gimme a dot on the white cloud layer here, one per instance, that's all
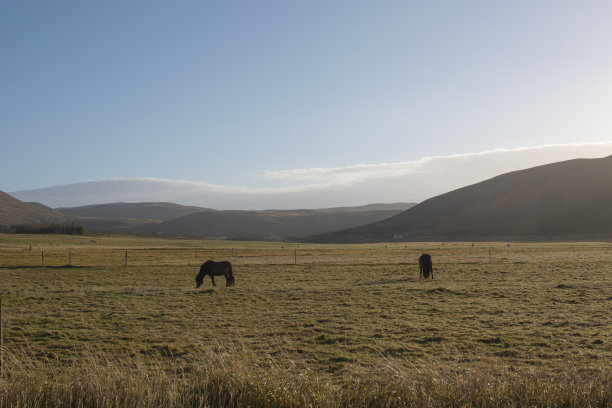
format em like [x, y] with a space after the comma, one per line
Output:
[411, 181]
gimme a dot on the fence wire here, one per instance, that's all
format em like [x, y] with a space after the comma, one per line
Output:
[32, 257]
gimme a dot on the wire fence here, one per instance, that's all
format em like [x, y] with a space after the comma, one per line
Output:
[33, 257]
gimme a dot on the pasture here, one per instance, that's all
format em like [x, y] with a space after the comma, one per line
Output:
[306, 325]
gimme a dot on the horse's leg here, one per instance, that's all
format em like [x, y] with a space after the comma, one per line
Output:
[431, 273]
[212, 278]
[226, 280]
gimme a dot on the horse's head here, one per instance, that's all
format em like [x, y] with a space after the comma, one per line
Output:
[199, 280]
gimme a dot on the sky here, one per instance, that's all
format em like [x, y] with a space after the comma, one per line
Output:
[255, 95]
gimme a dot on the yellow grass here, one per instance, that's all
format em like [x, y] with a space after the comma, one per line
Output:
[306, 325]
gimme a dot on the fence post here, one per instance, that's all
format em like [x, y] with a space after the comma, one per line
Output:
[125, 258]
[69, 258]
[42, 257]
[1, 337]
[295, 257]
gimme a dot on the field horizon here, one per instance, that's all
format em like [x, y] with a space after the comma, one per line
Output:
[502, 324]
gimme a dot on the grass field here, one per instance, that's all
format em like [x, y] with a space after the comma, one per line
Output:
[306, 325]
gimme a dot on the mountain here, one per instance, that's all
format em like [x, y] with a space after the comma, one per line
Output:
[272, 225]
[150, 211]
[318, 187]
[14, 211]
[174, 219]
[147, 190]
[569, 200]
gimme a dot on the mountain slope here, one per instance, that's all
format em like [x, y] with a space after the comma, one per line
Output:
[14, 211]
[272, 224]
[150, 211]
[564, 200]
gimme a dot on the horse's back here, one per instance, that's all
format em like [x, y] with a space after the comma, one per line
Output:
[425, 259]
[207, 266]
[216, 268]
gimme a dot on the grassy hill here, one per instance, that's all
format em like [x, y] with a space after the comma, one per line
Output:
[149, 211]
[272, 224]
[560, 201]
[14, 211]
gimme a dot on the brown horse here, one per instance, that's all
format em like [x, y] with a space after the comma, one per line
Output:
[425, 265]
[213, 269]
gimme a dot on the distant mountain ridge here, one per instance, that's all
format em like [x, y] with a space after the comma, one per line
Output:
[14, 211]
[151, 211]
[561, 201]
[174, 219]
[271, 225]
[569, 200]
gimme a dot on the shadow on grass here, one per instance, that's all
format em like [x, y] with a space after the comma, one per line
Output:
[202, 292]
[386, 282]
[441, 290]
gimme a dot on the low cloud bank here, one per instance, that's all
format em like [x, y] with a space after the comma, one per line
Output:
[411, 181]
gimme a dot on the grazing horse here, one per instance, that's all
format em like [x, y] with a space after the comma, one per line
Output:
[426, 266]
[213, 269]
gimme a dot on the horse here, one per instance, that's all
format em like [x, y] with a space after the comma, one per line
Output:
[426, 267]
[213, 269]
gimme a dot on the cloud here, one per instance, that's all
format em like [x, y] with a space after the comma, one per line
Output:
[505, 160]
[348, 174]
[410, 181]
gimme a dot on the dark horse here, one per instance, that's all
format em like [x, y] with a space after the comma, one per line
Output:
[213, 269]
[426, 266]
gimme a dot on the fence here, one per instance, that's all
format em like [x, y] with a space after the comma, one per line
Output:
[32, 257]
[120, 257]
[1, 340]
[95, 257]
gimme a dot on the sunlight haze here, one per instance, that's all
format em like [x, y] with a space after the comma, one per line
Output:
[271, 97]
[320, 187]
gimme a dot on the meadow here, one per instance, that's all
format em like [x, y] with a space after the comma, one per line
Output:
[502, 324]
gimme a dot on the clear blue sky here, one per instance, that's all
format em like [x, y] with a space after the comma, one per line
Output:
[223, 91]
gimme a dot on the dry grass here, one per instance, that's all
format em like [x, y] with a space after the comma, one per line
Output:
[236, 378]
[346, 326]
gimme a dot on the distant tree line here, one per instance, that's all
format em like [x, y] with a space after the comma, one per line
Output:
[43, 229]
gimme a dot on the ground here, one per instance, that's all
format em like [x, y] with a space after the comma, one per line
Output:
[339, 310]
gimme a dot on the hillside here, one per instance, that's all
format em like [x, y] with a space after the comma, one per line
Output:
[560, 201]
[272, 224]
[14, 211]
[149, 211]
